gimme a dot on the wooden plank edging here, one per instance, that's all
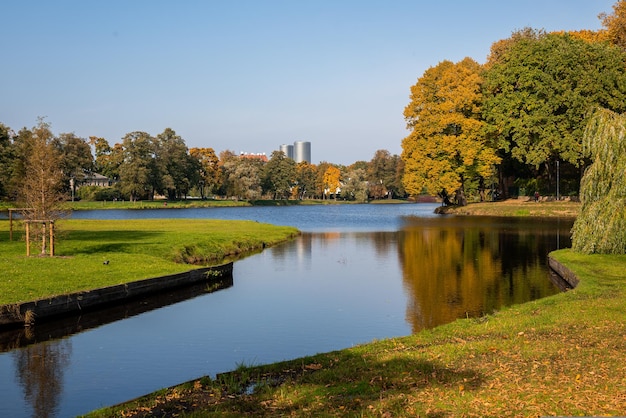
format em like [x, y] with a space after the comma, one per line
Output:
[26, 313]
[563, 272]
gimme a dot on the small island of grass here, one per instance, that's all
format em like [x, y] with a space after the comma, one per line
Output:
[90, 254]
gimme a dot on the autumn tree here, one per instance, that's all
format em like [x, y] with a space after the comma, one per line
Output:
[279, 175]
[210, 173]
[601, 225]
[539, 91]
[331, 180]
[42, 185]
[615, 24]
[446, 147]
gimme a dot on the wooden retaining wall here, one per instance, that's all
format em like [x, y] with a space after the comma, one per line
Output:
[26, 313]
[563, 272]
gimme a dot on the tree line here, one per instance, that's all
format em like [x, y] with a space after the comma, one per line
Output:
[35, 161]
[514, 124]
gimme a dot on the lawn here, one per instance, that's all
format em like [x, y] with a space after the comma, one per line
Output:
[517, 207]
[96, 253]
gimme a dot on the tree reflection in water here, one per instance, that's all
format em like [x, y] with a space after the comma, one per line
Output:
[458, 267]
[40, 369]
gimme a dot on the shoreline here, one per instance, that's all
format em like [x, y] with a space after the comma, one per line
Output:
[26, 314]
[515, 208]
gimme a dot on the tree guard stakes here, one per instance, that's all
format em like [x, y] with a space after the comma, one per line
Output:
[45, 224]
[11, 210]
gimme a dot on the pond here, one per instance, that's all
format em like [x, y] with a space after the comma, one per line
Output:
[357, 273]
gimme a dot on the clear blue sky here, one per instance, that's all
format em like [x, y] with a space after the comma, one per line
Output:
[248, 75]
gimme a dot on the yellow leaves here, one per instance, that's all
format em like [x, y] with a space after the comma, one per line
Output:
[332, 176]
[446, 144]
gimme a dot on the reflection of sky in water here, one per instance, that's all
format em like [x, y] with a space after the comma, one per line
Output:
[320, 292]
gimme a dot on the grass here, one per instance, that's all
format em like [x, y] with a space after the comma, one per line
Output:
[562, 355]
[134, 249]
[517, 207]
[196, 203]
[155, 204]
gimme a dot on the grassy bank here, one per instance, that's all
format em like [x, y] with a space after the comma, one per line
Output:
[517, 207]
[97, 253]
[562, 355]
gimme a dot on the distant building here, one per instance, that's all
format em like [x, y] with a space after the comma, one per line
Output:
[299, 151]
[287, 150]
[302, 151]
[253, 156]
[94, 179]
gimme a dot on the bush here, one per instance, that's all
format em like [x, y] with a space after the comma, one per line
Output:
[96, 193]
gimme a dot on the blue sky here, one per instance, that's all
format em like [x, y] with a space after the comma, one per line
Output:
[249, 75]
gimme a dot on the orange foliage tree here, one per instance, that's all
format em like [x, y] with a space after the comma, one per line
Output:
[445, 148]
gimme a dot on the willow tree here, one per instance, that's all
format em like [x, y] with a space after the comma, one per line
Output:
[446, 148]
[601, 225]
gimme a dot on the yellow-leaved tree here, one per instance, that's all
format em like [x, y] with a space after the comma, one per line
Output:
[446, 147]
[332, 183]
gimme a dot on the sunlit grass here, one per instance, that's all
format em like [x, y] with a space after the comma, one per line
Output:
[96, 253]
[518, 207]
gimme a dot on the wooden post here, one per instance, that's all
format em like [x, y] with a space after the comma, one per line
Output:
[27, 239]
[10, 225]
[43, 238]
[51, 238]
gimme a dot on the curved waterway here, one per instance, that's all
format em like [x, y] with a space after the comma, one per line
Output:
[357, 273]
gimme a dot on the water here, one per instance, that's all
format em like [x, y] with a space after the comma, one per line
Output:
[358, 273]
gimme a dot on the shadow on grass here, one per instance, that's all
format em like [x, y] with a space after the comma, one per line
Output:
[93, 242]
[331, 384]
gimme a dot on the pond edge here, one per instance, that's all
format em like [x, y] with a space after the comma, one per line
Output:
[563, 273]
[25, 314]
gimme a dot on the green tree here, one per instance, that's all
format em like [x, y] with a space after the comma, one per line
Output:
[446, 146]
[601, 225]
[108, 160]
[381, 174]
[355, 186]
[306, 174]
[242, 176]
[539, 91]
[137, 168]
[210, 173]
[6, 158]
[76, 159]
[279, 175]
[176, 169]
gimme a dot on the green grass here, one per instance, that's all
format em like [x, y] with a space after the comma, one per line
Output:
[154, 204]
[517, 207]
[562, 355]
[134, 249]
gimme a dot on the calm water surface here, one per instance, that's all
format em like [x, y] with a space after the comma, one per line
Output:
[358, 273]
